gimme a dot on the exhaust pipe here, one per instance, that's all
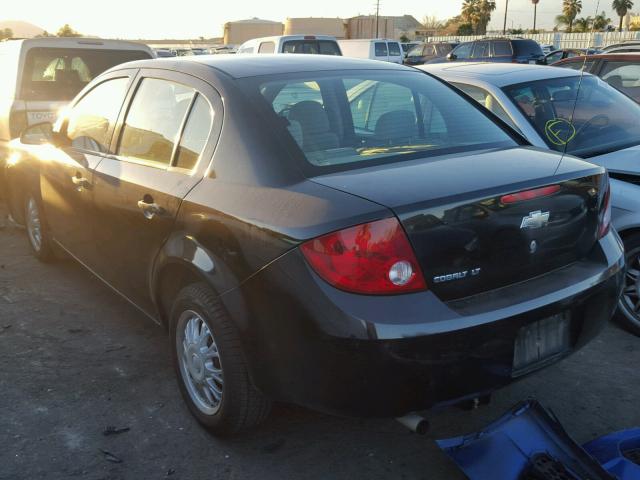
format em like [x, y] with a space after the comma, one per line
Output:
[414, 422]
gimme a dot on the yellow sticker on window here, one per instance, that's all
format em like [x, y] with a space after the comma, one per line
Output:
[559, 131]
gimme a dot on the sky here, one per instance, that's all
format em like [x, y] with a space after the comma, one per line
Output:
[195, 18]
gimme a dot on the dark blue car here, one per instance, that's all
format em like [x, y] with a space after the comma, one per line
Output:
[505, 50]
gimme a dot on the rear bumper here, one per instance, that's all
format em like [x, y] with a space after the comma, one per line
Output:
[312, 345]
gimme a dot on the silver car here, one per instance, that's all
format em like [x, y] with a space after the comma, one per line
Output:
[554, 108]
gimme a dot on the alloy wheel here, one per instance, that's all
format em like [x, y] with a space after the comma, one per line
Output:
[199, 361]
[630, 300]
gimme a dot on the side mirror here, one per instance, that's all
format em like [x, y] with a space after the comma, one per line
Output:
[37, 134]
[452, 56]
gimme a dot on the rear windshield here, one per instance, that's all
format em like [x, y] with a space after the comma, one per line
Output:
[58, 74]
[585, 116]
[315, 47]
[527, 48]
[373, 117]
[394, 49]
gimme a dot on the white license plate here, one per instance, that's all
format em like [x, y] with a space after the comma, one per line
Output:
[541, 342]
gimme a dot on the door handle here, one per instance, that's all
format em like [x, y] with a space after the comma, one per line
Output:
[149, 208]
[80, 182]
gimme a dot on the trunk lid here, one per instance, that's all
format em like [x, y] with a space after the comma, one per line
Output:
[467, 236]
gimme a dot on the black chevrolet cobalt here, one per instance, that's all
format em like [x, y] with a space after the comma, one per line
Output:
[351, 236]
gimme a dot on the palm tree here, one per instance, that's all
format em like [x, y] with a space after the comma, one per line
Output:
[570, 10]
[485, 7]
[622, 7]
[478, 14]
[601, 21]
[582, 24]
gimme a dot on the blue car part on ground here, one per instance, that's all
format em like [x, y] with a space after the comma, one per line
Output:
[529, 443]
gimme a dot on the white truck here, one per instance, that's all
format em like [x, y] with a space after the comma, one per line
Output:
[310, 44]
[373, 49]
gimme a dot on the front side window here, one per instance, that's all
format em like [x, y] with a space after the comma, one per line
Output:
[91, 120]
[480, 50]
[554, 57]
[267, 47]
[394, 49]
[356, 119]
[153, 121]
[585, 116]
[381, 49]
[195, 135]
[463, 52]
[58, 74]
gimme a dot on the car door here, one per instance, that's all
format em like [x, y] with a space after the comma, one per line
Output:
[67, 173]
[159, 143]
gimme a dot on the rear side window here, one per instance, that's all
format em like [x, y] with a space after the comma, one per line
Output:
[480, 50]
[195, 135]
[502, 49]
[394, 49]
[91, 120]
[154, 120]
[58, 74]
[527, 48]
[381, 49]
[267, 47]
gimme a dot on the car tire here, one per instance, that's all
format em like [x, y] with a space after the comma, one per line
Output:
[38, 234]
[210, 365]
[629, 305]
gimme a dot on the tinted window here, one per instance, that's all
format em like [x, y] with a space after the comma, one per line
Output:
[577, 65]
[527, 48]
[58, 74]
[502, 49]
[621, 73]
[480, 50]
[314, 47]
[418, 51]
[195, 134]
[442, 50]
[91, 120]
[381, 49]
[267, 47]
[554, 57]
[487, 100]
[394, 49]
[462, 52]
[584, 116]
[154, 119]
[392, 116]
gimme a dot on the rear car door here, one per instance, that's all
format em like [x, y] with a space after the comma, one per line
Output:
[163, 146]
[67, 173]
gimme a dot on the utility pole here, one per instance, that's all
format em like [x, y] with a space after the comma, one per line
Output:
[535, 13]
[377, 15]
[504, 26]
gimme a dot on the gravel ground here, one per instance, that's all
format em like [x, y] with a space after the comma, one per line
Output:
[76, 359]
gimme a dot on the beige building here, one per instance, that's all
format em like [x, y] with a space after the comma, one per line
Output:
[364, 26]
[236, 33]
[335, 27]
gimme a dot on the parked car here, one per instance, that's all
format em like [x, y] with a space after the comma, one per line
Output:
[630, 46]
[620, 70]
[182, 52]
[360, 238]
[408, 46]
[309, 44]
[427, 52]
[558, 55]
[603, 127]
[504, 50]
[41, 75]
[379, 49]
[547, 48]
[164, 52]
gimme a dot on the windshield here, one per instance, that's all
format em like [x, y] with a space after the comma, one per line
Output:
[369, 116]
[604, 119]
[58, 74]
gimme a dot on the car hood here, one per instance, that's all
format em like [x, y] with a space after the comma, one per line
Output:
[626, 161]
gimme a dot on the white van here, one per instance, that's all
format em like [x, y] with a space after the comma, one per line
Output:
[378, 49]
[41, 75]
[313, 44]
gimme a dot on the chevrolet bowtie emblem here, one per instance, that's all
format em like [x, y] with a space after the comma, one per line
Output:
[536, 219]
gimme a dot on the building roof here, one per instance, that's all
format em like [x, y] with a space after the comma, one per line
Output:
[255, 20]
[403, 22]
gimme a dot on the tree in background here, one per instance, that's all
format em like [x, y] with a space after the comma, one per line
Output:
[430, 22]
[601, 22]
[622, 7]
[570, 10]
[67, 31]
[582, 25]
[6, 33]
[477, 13]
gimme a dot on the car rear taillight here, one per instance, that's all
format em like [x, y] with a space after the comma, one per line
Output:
[373, 258]
[530, 194]
[605, 212]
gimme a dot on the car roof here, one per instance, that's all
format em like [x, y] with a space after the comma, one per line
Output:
[498, 74]
[604, 56]
[253, 65]
[78, 42]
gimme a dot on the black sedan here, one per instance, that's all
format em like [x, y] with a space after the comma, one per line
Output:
[352, 236]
